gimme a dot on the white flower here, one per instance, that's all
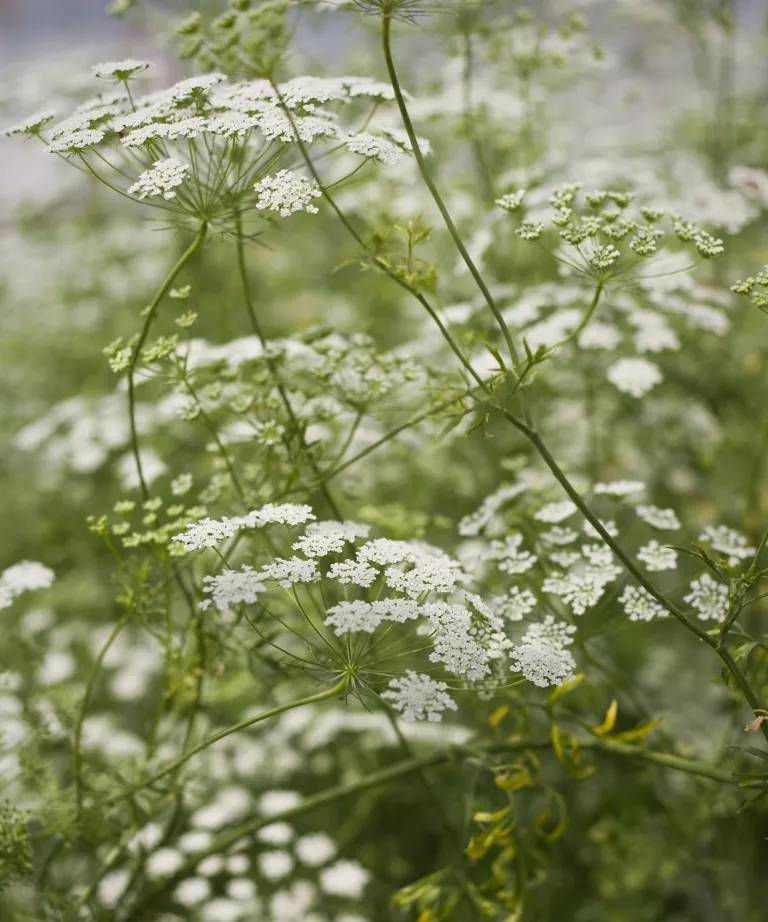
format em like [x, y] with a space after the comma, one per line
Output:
[77, 140]
[418, 697]
[663, 519]
[24, 576]
[604, 256]
[709, 598]
[516, 604]
[432, 571]
[207, 533]
[275, 865]
[277, 800]
[353, 616]
[163, 862]
[559, 535]
[163, 179]
[511, 201]
[656, 557]
[555, 512]
[315, 849]
[119, 70]
[279, 514]
[375, 148]
[620, 487]
[455, 644]
[542, 656]
[210, 532]
[512, 559]
[112, 886]
[323, 538]
[275, 834]
[192, 891]
[31, 124]
[287, 192]
[609, 525]
[578, 591]
[729, 542]
[344, 878]
[231, 587]
[474, 523]
[287, 572]
[352, 571]
[634, 376]
[221, 909]
[640, 605]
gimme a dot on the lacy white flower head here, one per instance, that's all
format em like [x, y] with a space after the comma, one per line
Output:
[24, 576]
[634, 376]
[120, 71]
[163, 179]
[418, 697]
[542, 656]
[477, 521]
[374, 148]
[656, 557]
[32, 124]
[640, 605]
[619, 488]
[286, 193]
[728, 542]
[602, 234]
[341, 594]
[709, 598]
[206, 123]
[207, 532]
[663, 519]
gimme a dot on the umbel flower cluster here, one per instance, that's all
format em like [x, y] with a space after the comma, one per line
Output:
[382, 605]
[202, 146]
[602, 233]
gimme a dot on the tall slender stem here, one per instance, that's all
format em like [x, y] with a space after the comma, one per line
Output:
[435, 192]
[274, 372]
[77, 755]
[629, 565]
[150, 314]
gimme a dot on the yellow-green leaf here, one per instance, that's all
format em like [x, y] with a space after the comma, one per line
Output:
[609, 721]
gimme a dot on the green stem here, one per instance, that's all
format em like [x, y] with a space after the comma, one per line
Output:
[273, 370]
[418, 764]
[725, 657]
[150, 314]
[77, 755]
[234, 728]
[435, 192]
[377, 261]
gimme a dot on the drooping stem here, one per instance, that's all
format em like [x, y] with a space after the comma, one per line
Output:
[235, 728]
[149, 315]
